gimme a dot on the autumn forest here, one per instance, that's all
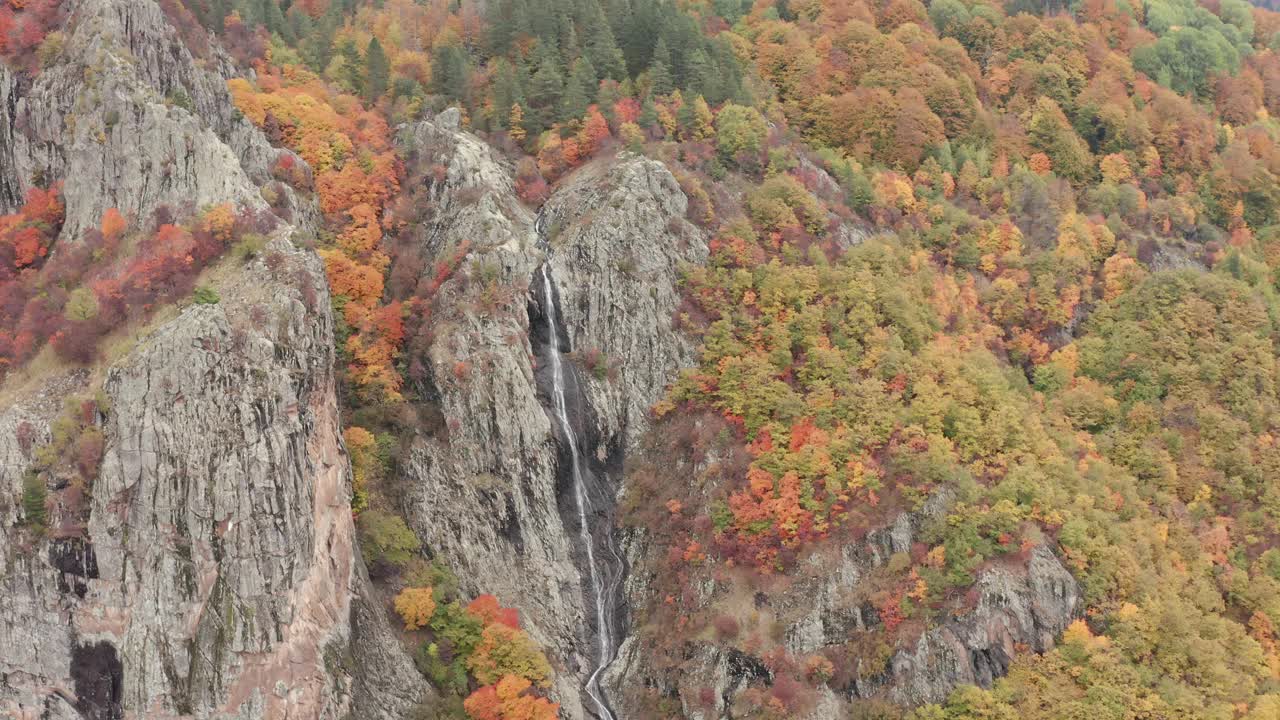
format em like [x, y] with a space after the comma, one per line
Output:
[1023, 255]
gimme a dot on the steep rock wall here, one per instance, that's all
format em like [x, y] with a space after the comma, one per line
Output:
[128, 118]
[1017, 605]
[225, 577]
[483, 490]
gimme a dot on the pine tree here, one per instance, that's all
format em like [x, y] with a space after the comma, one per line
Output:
[377, 71]
[449, 72]
[34, 495]
[545, 90]
[567, 40]
[507, 91]
[272, 18]
[600, 46]
[648, 114]
[317, 44]
[685, 120]
[352, 74]
[636, 33]
[578, 90]
[606, 96]
[508, 19]
[700, 73]
[660, 80]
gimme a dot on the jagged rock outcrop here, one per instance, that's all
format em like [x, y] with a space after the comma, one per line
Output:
[483, 491]
[129, 118]
[1018, 605]
[217, 574]
[619, 240]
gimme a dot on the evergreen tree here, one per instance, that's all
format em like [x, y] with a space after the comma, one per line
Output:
[377, 71]
[648, 114]
[567, 40]
[638, 29]
[544, 20]
[507, 91]
[34, 496]
[545, 90]
[578, 90]
[606, 96]
[449, 72]
[685, 120]
[660, 80]
[352, 72]
[508, 20]
[600, 46]
[272, 18]
[700, 73]
[317, 45]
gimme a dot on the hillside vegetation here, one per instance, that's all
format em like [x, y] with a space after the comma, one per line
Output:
[1026, 254]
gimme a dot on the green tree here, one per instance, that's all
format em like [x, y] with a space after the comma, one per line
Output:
[377, 71]
[449, 70]
[507, 91]
[34, 496]
[599, 44]
[739, 130]
[660, 80]
[1051, 134]
[387, 542]
[578, 90]
[545, 90]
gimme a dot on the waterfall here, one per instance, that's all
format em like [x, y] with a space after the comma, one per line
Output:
[603, 578]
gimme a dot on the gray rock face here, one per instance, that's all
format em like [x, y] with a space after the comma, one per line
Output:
[217, 576]
[225, 569]
[1017, 605]
[481, 493]
[484, 493]
[619, 241]
[129, 120]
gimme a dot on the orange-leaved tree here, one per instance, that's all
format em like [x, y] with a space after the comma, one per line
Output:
[509, 699]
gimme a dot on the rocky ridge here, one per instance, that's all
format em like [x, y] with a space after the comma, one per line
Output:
[217, 573]
[129, 114]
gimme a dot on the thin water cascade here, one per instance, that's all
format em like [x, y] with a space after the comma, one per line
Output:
[603, 563]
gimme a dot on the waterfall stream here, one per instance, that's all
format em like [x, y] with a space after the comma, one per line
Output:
[603, 563]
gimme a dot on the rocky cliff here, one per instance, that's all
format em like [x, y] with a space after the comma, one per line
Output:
[128, 114]
[217, 574]
[823, 608]
[211, 570]
[487, 491]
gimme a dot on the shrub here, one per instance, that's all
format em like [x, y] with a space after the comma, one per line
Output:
[250, 246]
[205, 296]
[442, 668]
[180, 98]
[34, 497]
[388, 543]
[726, 627]
[415, 606]
[433, 574]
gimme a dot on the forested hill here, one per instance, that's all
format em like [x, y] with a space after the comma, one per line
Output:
[931, 351]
